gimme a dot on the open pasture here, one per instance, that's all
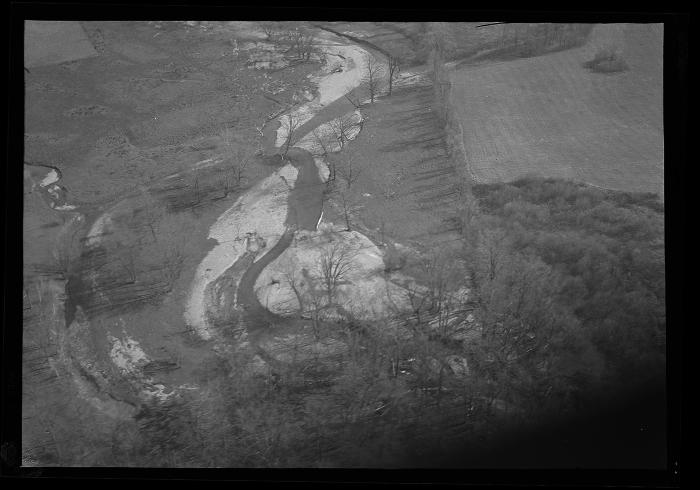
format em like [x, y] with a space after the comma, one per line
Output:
[550, 116]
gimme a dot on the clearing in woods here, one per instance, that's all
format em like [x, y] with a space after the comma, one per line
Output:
[549, 115]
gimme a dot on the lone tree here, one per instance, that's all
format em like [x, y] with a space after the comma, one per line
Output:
[65, 251]
[314, 301]
[343, 127]
[292, 275]
[372, 79]
[348, 206]
[335, 264]
[238, 154]
[348, 168]
[271, 30]
[196, 189]
[324, 142]
[354, 97]
[394, 71]
[151, 212]
[228, 181]
[292, 123]
[299, 38]
[301, 41]
[324, 148]
[172, 249]
[128, 258]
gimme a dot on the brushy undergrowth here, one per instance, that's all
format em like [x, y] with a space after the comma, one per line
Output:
[607, 60]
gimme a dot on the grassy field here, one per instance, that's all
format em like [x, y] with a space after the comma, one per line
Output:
[147, 106]
[549, 115]
[52, 42]
[406, 185]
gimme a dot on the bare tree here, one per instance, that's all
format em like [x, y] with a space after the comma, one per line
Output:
[468, 210]
[349, 170]
[292, 276]
[314, 301]
[342, 127]
[260, 129]
[307, 43]
[173, 259]
[128, 258]
[228, 181]
[418, 301]
[172, 249]
[348, 206]
[151, 213]
[65, 251]
[272, 30]
[441, 276]
[300, 40]
[325, 147]
[228, 141]
[195, 188]
[292, 123]
[491, 252]
[331, 161]
[324, 142]
[394, 71]
[373, 77]
[240, 168]
[354, 98]
[238, 153]
[127, 251]
[334, 265]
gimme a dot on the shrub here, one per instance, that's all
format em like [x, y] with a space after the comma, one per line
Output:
[607, 60]
[394, 260]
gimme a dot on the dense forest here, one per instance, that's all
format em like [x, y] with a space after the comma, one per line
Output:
[596, 256]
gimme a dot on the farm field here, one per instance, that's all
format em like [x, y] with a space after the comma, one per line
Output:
[550, 116]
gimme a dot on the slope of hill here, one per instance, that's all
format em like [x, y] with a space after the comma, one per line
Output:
[550, 116]
[51, 42]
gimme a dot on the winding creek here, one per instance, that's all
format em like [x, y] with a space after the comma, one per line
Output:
[259, 226]
[303, 197]
[305, 204]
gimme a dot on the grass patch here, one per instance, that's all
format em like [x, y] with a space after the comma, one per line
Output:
[405, 187]
[548, 116]
[607, 60]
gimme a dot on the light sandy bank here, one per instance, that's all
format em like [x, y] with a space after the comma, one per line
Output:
[364, 291]
[332, 84]
[260, 211]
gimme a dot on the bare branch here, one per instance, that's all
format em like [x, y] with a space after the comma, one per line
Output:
[335, 264]
[372, 79]
[322, 141]
[238, 154]
[348, 206]
[394, 71]
[342, 127]
[354, 99]
[292, 123]
[349, 170]
[300, 40]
